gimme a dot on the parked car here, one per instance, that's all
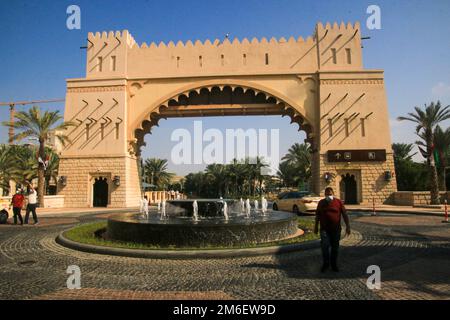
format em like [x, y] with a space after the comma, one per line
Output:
[297, 202]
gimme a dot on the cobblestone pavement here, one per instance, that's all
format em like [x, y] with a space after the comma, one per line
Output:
[412, 251]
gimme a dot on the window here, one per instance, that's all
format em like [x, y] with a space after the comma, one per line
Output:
[330, 127]
[333, 55]
[348, 53]
[102, 131]
[282, 195]
[113, 63]
[87, 132]
[244, 58]
[363, 127]
[222, 59]
[99, 64]
[200, 61]
[178, 62]
[267, 58]
[117, 131]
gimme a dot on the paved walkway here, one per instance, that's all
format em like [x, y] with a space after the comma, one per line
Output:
[412, 251]
[421, 210]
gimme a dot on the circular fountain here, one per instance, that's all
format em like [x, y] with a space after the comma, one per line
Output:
[204, 223]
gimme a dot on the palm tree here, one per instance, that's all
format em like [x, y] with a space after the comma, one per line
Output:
[255, 176]
[51, 172]
[37, 125]
[299, 157]
[24, 169]
[426, 121]
[6, 163]
[402, 151]
[155, 172]
[218, 177]
[286, 174]
[442, 146]
[410, 175]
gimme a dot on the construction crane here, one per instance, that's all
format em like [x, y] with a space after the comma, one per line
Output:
[12, 110]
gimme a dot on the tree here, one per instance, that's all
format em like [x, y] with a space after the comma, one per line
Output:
[217, 176]
[38, 125]
[426, 121]
[155, 172]
[24, 168]
[51, 172]
[442, 147]
[6, 163]
[286, 173]
[299, 158]
[402, 151]
[411, 176]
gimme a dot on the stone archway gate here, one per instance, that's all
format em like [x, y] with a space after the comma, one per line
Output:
[319, 82]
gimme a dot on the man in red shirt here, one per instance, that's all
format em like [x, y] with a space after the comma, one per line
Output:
[328, 214]
[17, 203]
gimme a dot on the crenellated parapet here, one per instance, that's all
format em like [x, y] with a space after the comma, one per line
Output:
[331, 47]
[107, 53]
[338, 46]
[207, 44]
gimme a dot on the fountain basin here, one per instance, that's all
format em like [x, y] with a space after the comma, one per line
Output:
[181, 231]
[206, 207]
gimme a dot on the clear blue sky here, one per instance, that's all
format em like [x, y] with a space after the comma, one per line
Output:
[38, 52]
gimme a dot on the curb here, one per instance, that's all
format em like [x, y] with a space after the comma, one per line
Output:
[419, 213]
[100, 211]
[185, 254]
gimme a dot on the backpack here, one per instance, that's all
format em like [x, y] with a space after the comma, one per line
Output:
[4, 216]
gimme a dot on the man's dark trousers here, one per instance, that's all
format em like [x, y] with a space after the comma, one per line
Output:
[32, 208]
[17, 213]
[330, 239]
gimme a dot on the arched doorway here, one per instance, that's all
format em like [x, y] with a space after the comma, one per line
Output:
[100, 190]
[349, 188]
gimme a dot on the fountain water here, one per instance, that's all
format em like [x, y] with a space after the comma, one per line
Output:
[263, 205]
[202, 223]
[163, 210]
[195, 210]
[225, 211]
[256, 205]
[247, 207]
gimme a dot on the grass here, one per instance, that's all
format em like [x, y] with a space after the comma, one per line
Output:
[90, 234]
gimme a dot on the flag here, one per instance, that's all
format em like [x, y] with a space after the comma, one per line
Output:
[437, 159]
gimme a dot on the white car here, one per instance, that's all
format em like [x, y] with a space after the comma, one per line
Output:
[297, 202]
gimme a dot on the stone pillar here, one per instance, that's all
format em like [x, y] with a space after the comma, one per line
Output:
[82, 171]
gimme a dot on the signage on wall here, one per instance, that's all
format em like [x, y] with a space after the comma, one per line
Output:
[356, 155]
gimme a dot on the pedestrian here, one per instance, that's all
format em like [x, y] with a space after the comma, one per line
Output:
[328, 215]
[17, 204]
[31, 206]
